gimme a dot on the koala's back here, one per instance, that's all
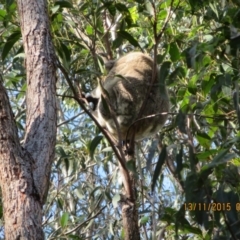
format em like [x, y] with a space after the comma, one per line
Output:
[127, 85]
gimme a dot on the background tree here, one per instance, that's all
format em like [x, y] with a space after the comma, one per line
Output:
[196, 177]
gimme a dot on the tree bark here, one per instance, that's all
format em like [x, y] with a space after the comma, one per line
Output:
[25, 170]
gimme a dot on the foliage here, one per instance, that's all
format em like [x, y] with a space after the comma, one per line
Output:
[197, 192]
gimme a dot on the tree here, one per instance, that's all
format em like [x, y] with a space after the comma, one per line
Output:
[187, 177]
[25, 168]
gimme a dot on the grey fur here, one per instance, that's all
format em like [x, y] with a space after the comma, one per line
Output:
[127, 85]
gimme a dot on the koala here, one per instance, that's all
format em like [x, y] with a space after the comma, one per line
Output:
[127, 85]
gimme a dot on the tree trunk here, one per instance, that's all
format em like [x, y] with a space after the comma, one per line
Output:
[25, 170]
[129, 205]
[130, 220]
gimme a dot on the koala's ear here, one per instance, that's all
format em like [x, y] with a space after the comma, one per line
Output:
[109, 64]
[92, 100]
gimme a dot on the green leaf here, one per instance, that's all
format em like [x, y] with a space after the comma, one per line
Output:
[1, 211]
[105, 105]
[131, 166]
[121, 7]
[221, 158]
[64, 219]
[134, 14]
[110, 7]
[206, 154]
[3, 14]
[162, 76]
[116, 198]
[20, 55]
[192, 86]
[161, 57]
[61, 152]
[94, 143]
[117, 42]
[122, 234]
[207, 84]
[174, 52]
[206, 60]
[163, 72]
[179, 160]
[9, 3]
[66, 163]
[129, 37]
[176, 75]
[67, 53]
[12, 39]
[151, 152]
[89, 29]
[149, 8]
[236, 104]
[161, 159]
[162, 15]
[84, 6]
[204, 139]
[64, 4]
[111, 229]
[55, 9]
[79, 193]
[144, 220]
[181, 122]
[191, 55]
[103, 100]
[60, 203]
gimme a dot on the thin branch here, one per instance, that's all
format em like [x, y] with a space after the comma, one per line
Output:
[106, 36]
[219, 117]
[83, 223]
[118, 151]
[168, 17]
[70, 119]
